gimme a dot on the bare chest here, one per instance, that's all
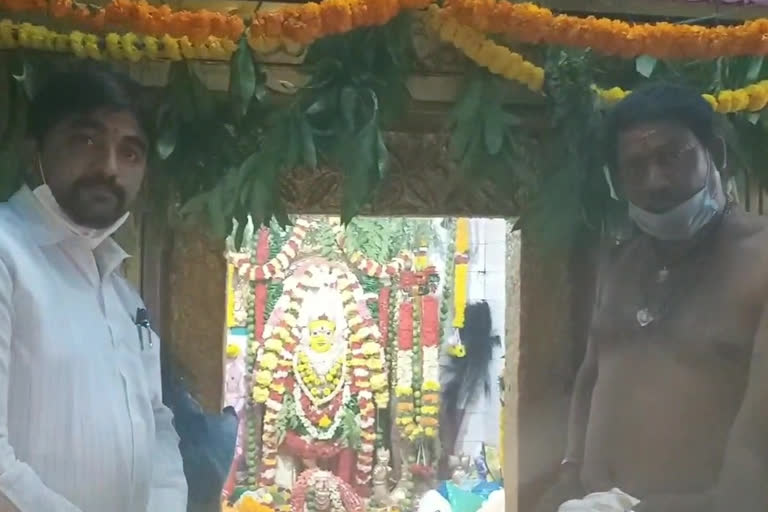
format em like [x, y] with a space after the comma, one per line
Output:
[702, 311]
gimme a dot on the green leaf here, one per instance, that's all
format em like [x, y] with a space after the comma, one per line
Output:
[645, 65]
[308, 143]
[493, 131]
[242, 78]
[5, 99]
[168, 134]
[755, 67]
[240, 232]
[383, 153]
[217, 214]
[468, 104]
[349, 99]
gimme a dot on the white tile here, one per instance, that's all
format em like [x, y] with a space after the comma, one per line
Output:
[495, 259]
[477, 286]
[496, 230]
[477, 257]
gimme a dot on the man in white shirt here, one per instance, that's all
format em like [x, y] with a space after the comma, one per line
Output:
[82, 423]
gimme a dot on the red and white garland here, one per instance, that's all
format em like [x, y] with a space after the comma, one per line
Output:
[280, 263]
[430, 387]
[372, 268]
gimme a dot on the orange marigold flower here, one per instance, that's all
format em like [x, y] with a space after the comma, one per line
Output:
[60, 8]
[336, 16]
[273, 23]
[235, 27]
[199, 26]
[310, 17]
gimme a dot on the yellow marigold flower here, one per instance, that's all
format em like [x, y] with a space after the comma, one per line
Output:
[264, 377]
[382, 399]
[379, 381]
[114, 48]
[92, 48]
[375, 364]
[269, 361]
[429, 409]
[371, 348]
[187, 50]
[430, 432]
[725, 102]
[260, 394]
[403, 391]
[325, 421]
[740, 100]
[274, 344]
[430, 385]
[171, 48]
[77, 45]
[233, 350]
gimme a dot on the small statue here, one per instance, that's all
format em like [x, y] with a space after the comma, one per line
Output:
[381, 479]
[322, 491]
[458, 469]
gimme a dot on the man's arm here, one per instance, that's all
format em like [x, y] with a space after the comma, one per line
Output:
[20, 487]
[743, 484]
[169, 485]
[580, 404]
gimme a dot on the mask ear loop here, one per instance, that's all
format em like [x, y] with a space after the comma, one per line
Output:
[40, 169]
[609, 181]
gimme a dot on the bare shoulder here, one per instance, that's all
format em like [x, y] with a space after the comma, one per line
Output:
[746, 244]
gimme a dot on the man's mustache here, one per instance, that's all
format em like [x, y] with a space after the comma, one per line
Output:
[106, 182]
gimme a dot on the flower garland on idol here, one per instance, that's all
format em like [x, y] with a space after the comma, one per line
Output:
[325, 405]
[278, 265]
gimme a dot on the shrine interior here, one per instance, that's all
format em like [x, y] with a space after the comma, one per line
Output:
[373, 354]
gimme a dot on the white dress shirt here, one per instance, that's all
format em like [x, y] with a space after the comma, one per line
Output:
[82, 424]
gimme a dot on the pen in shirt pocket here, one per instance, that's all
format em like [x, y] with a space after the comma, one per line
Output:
[142, 325]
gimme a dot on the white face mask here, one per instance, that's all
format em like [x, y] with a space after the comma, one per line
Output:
[686, 219]
[92, 236]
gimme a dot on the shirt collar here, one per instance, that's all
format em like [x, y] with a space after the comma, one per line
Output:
[45, 231]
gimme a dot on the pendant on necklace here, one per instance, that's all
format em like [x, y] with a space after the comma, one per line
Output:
[644, 317]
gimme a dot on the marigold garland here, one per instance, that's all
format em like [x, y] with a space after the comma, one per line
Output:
[430, 387]
[461, 271]
[751, 98]
[530, 23]
[504, 62]
[138, 16]
[499, 59]
[305, 23]
[130, 46]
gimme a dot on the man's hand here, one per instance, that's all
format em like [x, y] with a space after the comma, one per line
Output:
[567, 487]
[676, 503]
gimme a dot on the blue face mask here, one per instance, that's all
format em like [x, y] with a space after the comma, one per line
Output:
[686, 219]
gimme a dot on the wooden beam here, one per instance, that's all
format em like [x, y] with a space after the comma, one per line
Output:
[659, 9]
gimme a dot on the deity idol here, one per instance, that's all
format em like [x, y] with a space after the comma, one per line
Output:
[318, 372]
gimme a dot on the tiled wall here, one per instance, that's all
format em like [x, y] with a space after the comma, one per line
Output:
[487, 278]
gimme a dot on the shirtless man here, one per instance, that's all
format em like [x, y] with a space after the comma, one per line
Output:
[671, 402]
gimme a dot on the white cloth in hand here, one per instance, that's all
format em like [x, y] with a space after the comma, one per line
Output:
[614, 500]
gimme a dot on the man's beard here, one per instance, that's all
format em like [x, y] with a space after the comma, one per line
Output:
[89, 213]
